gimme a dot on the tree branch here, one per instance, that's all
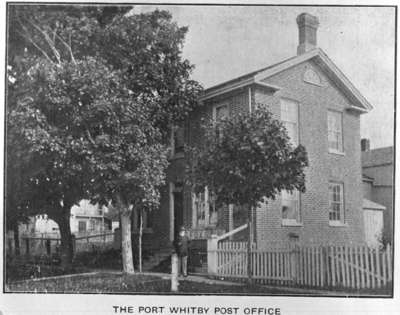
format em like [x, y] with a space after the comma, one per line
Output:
[66, 45]
[48, 40]
[90, 137]
[36, 45]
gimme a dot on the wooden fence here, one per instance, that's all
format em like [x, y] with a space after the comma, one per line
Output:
[356, 267]
[35, 244]
[94, 242]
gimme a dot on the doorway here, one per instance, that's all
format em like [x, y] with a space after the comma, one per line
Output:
[178, 208]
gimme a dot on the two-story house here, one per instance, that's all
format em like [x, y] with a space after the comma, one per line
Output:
[321, 110]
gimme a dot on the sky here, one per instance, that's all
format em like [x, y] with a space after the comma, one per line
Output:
[224, 42]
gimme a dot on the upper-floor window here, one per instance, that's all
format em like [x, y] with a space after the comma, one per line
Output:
[290, 119]
[221, 111]
[179, 140]
[336, 204]
[335, 131]
[290, 207]
[82, 226]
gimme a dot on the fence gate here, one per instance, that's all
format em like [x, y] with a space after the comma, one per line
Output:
[355, 267]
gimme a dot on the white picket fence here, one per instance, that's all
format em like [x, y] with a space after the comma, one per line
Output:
[356, 267]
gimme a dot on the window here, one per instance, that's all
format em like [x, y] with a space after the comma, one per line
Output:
[179, 140]
[290, 119]
[205, 212]
[290, 207]
[336, 208]
[82, 226]
[335, 133]
[221, 112]
[147, 219]
[92, 224]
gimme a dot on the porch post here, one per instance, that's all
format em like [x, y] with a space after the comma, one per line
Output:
[194, 210]
[212, 255]
[171, 211]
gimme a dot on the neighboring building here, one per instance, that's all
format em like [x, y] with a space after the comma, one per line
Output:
[89, 218]
[321, 110]
[85, 219]
[377, 169]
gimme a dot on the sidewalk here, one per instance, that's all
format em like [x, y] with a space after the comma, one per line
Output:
[294, 291]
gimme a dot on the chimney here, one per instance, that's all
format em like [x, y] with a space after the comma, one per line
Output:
[364, 145]
[308, 25]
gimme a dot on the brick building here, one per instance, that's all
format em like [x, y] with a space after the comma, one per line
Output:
[321, 110]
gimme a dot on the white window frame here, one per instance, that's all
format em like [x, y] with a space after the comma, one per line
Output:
[341, 220]
[219, 105]
[83, 222]
[172, 142]
[210, 217]
[286, 120]
[294, 198]
[214, 115]
[339, 133]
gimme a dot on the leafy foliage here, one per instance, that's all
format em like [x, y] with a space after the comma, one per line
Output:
[247, 158]
[93, 93]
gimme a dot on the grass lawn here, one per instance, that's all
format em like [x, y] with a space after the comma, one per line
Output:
[116, 283]
[138, 283]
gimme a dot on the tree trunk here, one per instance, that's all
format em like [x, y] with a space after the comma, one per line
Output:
[67, 251]
[127, 257]
[16, 239]
[140, 238]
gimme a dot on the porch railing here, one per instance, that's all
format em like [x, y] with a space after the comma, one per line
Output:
[204, 233]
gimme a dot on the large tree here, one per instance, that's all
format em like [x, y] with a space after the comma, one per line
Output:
[95, 95]
[245, 160]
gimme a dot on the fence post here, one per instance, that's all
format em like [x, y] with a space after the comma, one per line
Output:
[389, 261]
[48, 247]
[293, 263]
[174, 272]
[325, 267]
[212, 255]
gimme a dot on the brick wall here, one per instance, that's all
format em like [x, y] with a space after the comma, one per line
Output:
[314, 102]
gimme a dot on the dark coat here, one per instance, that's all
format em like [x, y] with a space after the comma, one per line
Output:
[182, 245]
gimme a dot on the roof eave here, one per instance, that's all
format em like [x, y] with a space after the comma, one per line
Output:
[235, 86]
[336, 75]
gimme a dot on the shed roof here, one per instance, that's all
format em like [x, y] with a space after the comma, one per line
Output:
[370, 205]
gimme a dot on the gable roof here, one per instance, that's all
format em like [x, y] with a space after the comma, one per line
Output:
[320, 58]
[377, 157]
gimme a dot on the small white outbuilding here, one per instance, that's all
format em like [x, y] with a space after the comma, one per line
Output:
[373, 221]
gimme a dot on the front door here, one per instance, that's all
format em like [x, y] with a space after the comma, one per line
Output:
[178, 209]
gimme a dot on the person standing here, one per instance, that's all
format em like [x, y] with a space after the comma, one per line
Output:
[182, 249]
